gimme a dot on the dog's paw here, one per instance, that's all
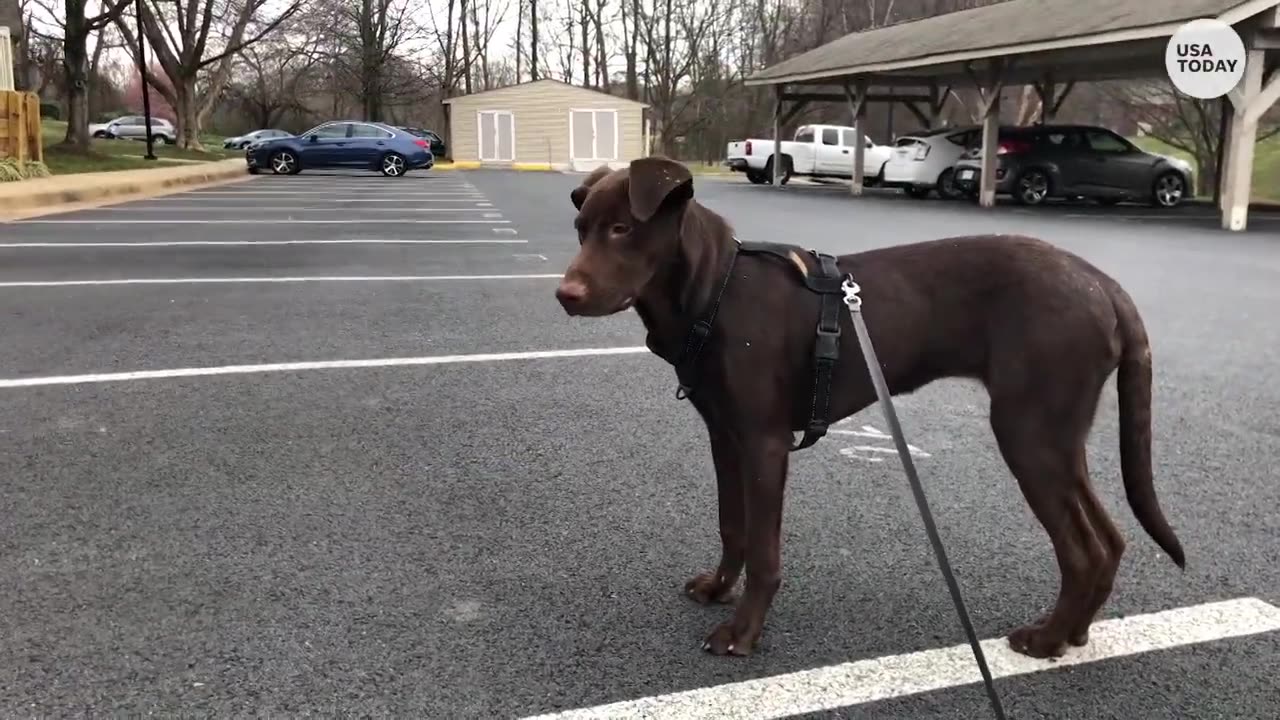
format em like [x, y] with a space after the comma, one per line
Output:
[1038, 641]
[730, 639]
[708, 588]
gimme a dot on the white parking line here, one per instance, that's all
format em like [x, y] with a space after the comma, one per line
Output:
[261, 221]
[327, 193]
[233, 204]
[215, 243]
[884, 678]
[300, 279]
[317, 365]
[286, 208]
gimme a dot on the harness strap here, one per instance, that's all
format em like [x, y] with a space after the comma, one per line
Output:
[686, 363]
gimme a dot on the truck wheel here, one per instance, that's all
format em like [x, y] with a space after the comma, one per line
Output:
[786, 170]
[757, 177]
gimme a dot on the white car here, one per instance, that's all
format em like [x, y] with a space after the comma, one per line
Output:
[134, 127]
[925, 162]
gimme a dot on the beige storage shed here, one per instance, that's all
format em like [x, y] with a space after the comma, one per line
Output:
[546, 122]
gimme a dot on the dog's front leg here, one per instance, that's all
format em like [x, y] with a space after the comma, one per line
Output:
[717, 586]
[764, 473]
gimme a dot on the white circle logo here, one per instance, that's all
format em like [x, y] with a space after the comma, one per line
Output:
[1205, 58]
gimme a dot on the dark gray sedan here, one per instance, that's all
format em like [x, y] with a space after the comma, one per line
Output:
[1039, 162]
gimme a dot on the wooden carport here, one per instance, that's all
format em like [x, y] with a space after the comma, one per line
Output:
[1050, 44]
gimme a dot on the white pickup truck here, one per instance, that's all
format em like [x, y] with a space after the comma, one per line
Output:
[824, 151]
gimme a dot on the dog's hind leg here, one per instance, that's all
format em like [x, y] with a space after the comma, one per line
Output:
[1043, 448]
[717, 586]
[1111, 538]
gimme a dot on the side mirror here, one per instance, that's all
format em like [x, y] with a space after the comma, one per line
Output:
[312, 138]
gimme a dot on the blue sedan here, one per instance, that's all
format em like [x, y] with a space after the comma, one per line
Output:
[346, 144]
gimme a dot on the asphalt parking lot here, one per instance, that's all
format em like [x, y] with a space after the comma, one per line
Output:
[312, 445]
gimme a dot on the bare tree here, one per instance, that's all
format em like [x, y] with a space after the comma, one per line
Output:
[197, 55]
[272, 76]
[1184, 123]
[78, 25]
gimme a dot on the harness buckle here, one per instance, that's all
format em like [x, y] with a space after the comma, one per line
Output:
[827, 345]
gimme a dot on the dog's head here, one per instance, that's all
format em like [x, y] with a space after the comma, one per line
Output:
[628, 226]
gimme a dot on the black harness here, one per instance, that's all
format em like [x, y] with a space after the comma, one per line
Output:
[826, 347]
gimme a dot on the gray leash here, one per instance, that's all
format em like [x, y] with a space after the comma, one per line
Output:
[854, 302]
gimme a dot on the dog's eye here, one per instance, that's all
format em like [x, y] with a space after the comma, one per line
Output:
[620, 229]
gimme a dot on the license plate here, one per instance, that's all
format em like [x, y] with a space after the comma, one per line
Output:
[965, 174]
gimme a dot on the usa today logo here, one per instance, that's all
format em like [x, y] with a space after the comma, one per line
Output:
[1205, 59]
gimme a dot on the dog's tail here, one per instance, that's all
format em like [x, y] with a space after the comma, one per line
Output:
[1133, 385]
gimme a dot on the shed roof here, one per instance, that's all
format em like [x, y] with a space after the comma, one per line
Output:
[1006, 28]
[550, 81]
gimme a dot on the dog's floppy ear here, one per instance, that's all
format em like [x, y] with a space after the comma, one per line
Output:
[579, 194]
[654, 181]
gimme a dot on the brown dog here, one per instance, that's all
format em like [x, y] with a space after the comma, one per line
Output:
[1041, 328]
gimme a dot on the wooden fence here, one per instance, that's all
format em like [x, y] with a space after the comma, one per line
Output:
[20, 137]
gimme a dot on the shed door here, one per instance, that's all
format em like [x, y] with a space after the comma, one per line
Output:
[497, 139]
[593, 134]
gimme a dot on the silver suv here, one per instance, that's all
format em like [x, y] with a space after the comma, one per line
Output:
[134, 127]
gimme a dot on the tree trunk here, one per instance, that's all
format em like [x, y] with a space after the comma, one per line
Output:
[533, 39]
[75, 63]
[466, 50]
[519, 39]
[187, 108]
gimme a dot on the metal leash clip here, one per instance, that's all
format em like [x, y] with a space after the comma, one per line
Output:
[851, 290]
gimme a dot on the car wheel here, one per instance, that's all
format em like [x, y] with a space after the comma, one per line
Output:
[1169, 189]
[393, 165]
[756, 177]
[786, 170]
[284, 162]
[947, 189]
[1032, 187]
[100, 134]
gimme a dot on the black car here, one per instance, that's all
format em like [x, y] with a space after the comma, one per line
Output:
[437, 144]
[1039, 162]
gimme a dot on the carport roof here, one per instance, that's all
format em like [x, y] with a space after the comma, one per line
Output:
[1006, 28]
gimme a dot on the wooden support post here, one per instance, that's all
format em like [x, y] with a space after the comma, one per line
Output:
[858, 107]
[990, 129]
[1249, 100]
[776, 180]
[1224, 154]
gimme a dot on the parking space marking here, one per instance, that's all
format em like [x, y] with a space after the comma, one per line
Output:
[92, 378]
[329, 193]
[260, 221]
[303, 279]
[343, 199]
[894, 676]
[202, 243]
[871, 453]
[287, 208]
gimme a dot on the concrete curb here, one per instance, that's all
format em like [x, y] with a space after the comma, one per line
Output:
[51, 192]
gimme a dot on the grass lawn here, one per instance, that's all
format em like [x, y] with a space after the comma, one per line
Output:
[1266, 164]
[109, 155]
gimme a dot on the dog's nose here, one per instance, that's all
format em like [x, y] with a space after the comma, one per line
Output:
[571, 293]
